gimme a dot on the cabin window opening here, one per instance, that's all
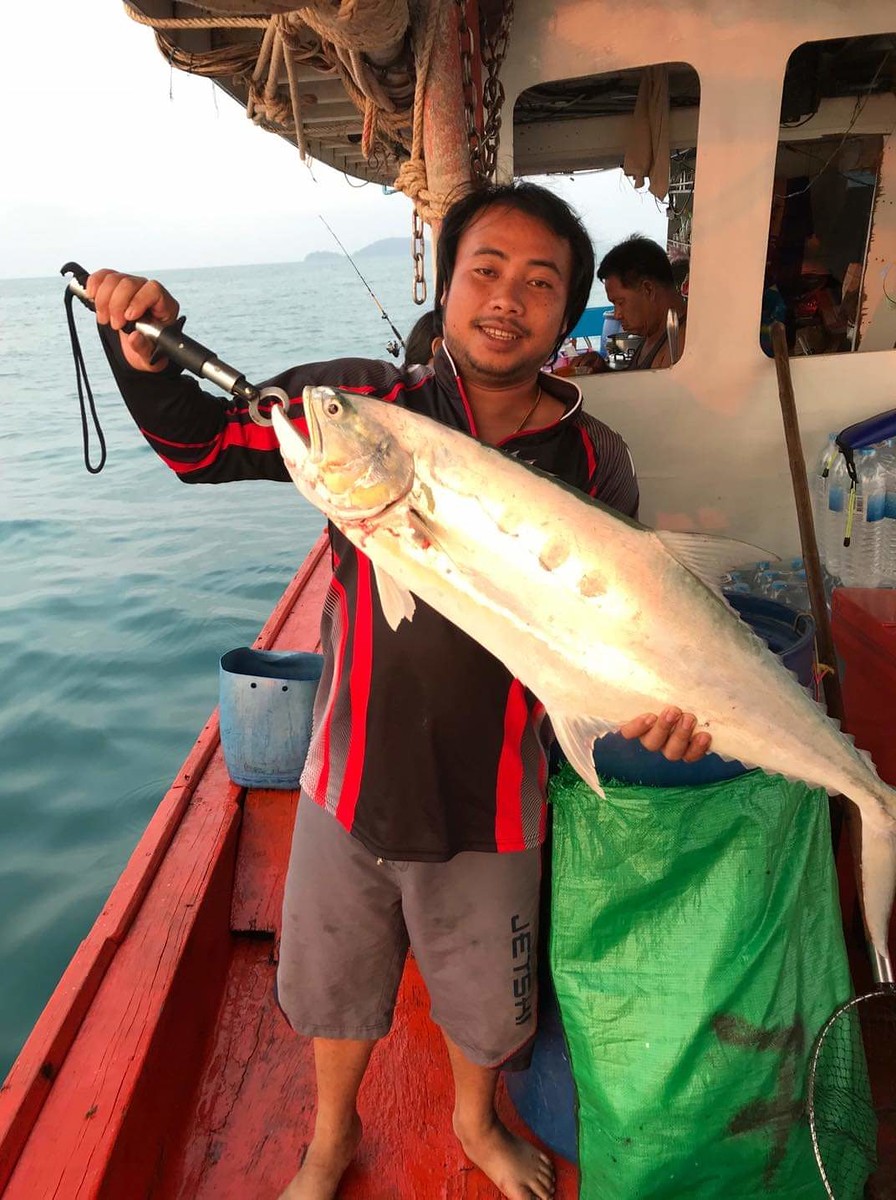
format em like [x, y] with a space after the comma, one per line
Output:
[830, 274]
[620, 147]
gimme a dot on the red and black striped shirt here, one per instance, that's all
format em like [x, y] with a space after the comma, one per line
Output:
[424, 744]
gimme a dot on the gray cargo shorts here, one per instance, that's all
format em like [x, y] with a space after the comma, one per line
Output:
[349, 918]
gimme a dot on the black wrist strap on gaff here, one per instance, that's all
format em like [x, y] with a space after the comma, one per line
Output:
[85, 395]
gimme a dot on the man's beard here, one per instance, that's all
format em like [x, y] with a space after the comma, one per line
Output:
[519, 371]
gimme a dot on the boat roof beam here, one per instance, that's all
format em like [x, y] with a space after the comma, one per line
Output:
[570, 144]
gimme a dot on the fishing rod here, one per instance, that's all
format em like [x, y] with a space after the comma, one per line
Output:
[390, 346]
[170, 342]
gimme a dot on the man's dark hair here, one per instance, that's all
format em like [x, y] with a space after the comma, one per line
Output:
[636, 259]
[418, 343]
[535, 201]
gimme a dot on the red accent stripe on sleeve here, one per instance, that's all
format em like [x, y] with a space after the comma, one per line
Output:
[508, 816]
[391, 395]
[359, 694]
[160, 441]
[249, 436]
[589, 456]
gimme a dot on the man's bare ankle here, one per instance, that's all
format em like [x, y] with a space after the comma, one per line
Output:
[326, 1160]
[336, 1133]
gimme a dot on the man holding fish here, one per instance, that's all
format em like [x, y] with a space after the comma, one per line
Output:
[428, 752]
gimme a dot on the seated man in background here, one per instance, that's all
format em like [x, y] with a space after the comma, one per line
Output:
[640, 284]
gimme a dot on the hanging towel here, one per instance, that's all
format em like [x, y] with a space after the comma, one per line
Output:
[647, 153]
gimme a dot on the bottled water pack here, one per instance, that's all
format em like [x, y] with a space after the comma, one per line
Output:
[782, 581]
[857, 537]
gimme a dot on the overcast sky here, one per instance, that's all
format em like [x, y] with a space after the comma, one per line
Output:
[111, 158]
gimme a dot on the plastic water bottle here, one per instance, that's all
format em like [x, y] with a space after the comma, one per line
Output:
[833, 524]
[777, 590]
[861, 558]
[875, 513]
[820, 482]
[791, 589]
[888, 531]
[799, 592]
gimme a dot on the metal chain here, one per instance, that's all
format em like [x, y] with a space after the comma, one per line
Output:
[417, 253]
[465, 36]
[494, 48]
[483, 146]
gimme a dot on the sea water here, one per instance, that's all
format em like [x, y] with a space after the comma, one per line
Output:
[119, 592]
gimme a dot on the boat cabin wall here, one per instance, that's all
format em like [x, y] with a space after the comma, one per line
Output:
[707, 435]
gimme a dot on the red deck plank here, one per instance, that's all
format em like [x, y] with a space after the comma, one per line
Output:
[268, 818]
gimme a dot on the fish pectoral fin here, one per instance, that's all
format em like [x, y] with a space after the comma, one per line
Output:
[709, 556]
[576, 736]
[396, 602]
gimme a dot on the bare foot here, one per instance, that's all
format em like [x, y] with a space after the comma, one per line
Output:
[324, 1164]
[517, 1169]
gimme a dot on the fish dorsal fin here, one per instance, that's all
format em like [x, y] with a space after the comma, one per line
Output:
[397, 602]
[576, 736]
[710, 556]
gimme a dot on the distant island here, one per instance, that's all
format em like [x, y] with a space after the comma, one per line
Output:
[384, 248]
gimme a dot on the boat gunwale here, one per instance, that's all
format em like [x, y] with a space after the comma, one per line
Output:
[32, 1076]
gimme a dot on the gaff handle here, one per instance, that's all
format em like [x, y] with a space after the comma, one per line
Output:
[171, 342]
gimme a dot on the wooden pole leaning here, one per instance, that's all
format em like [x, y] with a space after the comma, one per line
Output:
[824, 640]
[840, 808]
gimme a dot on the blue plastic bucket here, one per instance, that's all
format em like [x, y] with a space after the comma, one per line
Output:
[788, 633]
[266, 708]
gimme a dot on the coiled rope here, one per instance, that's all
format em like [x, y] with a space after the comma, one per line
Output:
[332, 41]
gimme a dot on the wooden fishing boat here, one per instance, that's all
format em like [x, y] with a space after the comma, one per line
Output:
[162, 1066]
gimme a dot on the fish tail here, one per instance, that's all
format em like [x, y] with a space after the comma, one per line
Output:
[878, 874]
[878, 863]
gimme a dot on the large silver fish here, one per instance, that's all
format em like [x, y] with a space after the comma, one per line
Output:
[602, 618]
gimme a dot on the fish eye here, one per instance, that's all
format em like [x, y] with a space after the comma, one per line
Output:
[333, 408]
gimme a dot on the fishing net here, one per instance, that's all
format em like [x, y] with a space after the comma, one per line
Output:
[852, 1098]
[696, 950]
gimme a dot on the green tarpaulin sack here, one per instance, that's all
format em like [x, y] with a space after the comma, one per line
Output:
[696, 951]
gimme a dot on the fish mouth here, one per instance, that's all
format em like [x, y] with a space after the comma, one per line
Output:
[295, 444]
[351, 481]
[315, 441]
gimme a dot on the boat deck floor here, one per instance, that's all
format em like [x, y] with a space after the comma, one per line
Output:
[253, 1113]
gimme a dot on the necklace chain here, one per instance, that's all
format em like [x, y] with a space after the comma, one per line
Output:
[528, 417]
